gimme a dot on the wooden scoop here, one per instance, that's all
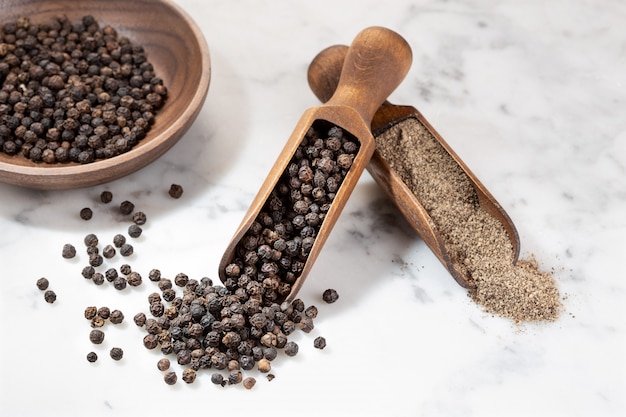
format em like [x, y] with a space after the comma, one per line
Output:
[323, 74]
[375, 64]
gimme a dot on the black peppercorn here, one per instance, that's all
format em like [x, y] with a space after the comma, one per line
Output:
[189, 375]
[88, 272]
[96, 336]
[163, 364]
[42, 283]
[91, 240]
[330, 296]
[134, 279]
[86, 213]
[217, 379]
[92, 357]
[170, 378]
[119, 283]
[175, 191]
[98, 278]
[69, 251]
[116, 317]
[106, 197]
[116, 353]
[125, 269]
[126, 249]
[139, 319]
[119, 240]
[249, 382]
[108, 251]
[104, 312]
[126, 207]
[134, 231]
[50, 296]
[319, 342]
[139, 218]
[291, 348]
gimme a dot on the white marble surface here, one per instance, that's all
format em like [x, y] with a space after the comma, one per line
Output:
[532, 96]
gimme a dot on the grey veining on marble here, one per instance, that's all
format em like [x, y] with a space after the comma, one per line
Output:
[532, 95]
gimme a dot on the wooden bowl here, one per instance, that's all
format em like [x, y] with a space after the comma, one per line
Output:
[180, 56]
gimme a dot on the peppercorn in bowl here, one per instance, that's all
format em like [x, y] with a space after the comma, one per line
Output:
[91, 91]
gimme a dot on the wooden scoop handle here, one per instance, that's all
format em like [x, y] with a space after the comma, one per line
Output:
[376, 62]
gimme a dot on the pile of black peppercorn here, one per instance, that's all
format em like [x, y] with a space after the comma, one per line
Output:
[274, 250]
[204, 326]
[73, 92]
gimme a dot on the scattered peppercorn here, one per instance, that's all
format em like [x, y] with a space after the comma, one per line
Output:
[125, 269]
[139, 218]
[96, 336]
[104, 312]
[176, 191]
[69, 251]
[170, 378]
[134, 279]
[319, 342]
[155, 275]
[140, 319]
[86, 213]
[106, 197]
[92, 357]
[264, 365]
[119, 283]
[249, 382]
[189, 375]
[119, 240]
[126, 207]
[134, 231]
[97, 322]
[163, 364]
[116, 353]
[330, 296]
[91, 240]
[291, 348]
[42, 283]
[116, 317]
[126, 249]
[217, 379]
[108, 251]
[50, 296]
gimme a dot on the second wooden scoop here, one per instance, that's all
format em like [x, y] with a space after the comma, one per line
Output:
[375, 64]
[323, 75]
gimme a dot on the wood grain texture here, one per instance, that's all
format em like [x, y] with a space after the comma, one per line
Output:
[323, 77]
[376, 63]
[180, 56]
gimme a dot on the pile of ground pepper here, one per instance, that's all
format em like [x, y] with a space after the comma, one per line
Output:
[477, 242]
